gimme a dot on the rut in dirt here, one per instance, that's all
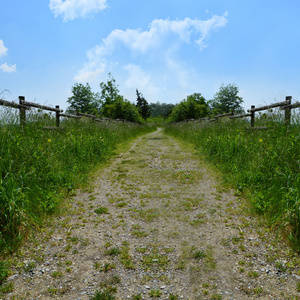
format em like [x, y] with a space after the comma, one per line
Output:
[155, 223]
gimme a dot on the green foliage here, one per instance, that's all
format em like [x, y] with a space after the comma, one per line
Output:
[4, 271]
[142, 105]
[160, 110]
[194, 107]
[227, 100]
[263, 165]
[122, 109]
[37, 168]
[109, 91]
[155, 293]
[103, 295]
[83, 99]
[101, 210]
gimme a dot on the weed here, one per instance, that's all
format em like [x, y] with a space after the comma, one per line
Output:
[237, 239]
[155, 293]
[52, 290]
[6, 288]
[149, 214]
[199, 254]
[209, 260]
[253, 274]
[113, 251]
[136, 226]
[103, 295]
[85, 242]
[280, 266]
[172, 234]
[139, 233]
[29, 266]
[101, 210]
[216, 296]
[73, 239]
[173, 297]
[137, 297]
[68, 247]
[108, 266]
[168, 250]
[126, 259]
[180, 265]
[197, 222]
[4, 271]
[115, 279]
[258, 290]
[154, 260]
[121, 204]
[56, 274]
[141, 250]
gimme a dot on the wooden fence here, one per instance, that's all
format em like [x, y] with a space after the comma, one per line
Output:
[286, 105]
[23, 106]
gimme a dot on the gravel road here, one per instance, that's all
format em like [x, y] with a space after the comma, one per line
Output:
[155, 222]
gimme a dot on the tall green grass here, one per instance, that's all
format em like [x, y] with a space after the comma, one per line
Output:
[38, 166]
[262, 164]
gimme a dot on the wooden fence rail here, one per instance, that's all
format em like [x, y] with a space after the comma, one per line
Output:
[286, 105]
[26, 105]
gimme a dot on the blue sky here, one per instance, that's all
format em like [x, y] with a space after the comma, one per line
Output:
[167, 49]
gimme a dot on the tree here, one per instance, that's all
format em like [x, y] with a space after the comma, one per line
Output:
[109, 91]
[194, 107]
[142, 105]
[160, 109]
[121, 108]
[83, 99]
[227, 100]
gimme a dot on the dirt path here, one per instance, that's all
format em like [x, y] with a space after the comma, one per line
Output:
[155, 223]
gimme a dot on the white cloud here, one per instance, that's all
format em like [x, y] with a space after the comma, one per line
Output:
[5, 67]
[88, 76]
[3, 49]
[8, 69]
[72, 9]
[139, 79]
[163, 36]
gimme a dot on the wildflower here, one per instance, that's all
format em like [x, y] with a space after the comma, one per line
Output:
[260, 140]
[49, 140]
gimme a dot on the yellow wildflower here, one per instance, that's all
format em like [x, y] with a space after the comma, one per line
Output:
[260, 140]
[49, 140]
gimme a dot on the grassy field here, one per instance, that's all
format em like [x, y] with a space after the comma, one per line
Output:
[39, 167]
[264, 165]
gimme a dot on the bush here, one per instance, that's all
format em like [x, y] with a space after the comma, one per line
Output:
[122, 109]
[194, 107]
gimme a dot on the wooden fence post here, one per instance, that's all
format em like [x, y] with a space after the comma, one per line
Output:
[287, 114]
[252, 115]
[57, 113]
[22, 111]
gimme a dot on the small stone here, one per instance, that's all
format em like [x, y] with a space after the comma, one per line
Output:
[147, 287]
[12, 277]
